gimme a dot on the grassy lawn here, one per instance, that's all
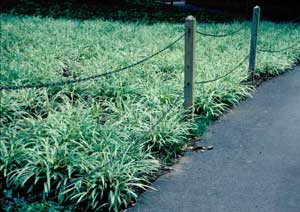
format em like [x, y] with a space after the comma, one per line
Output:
[92, 144]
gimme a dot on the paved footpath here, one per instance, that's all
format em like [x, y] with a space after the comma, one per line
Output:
[254, 167]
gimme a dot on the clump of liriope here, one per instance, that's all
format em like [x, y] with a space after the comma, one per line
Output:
[72, 156]
[91, 154]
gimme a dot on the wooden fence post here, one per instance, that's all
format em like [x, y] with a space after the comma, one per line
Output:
[189, 65]
[253, 41]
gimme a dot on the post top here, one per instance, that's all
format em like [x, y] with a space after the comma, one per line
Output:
[190, 18]
[256, 7]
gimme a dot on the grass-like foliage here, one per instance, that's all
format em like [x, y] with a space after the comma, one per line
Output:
[93, 145]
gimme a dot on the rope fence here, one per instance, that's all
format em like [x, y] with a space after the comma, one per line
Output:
[72, 81]
[280, 50]
[189, 61]
[126, 68]
[225, 75]
[221, 35]
[189, 64]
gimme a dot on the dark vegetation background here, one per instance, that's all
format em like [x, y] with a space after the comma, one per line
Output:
[148, 11]
[273, 9]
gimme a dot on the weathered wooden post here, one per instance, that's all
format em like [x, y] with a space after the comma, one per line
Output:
[253, 41]
[189, 65]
